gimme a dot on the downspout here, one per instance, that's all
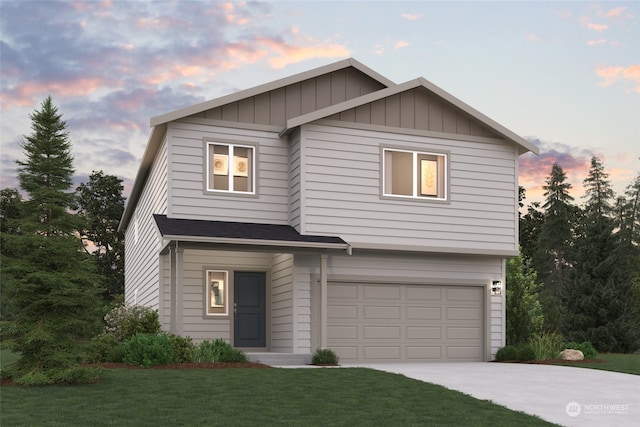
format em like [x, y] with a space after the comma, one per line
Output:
[323, 301]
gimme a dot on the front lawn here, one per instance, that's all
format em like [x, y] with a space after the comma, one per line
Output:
[246, 397]
[625, 363]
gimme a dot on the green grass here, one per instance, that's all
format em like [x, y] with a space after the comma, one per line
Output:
[248, 397]
[625, 363]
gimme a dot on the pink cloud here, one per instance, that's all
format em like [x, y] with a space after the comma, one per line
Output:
[400, 44]
[411, 17]
[611, 75]
[596, 42]
[532, 38]
[597, 27]
[613, 13]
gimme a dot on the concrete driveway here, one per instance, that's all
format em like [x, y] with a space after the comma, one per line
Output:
[560, 394]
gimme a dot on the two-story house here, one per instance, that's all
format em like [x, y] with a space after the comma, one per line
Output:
[333, 208]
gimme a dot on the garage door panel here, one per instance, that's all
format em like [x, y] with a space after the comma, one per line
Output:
[342, 312]
[385, 323]
[424, 313]
[381, 292]
[424, 332]
[374, 312]
[382, 332]
[373, 353]
[463, 313]
[424, 353]
[420, 293]
[343, 332]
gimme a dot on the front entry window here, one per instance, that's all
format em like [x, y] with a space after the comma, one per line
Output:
[217, 292]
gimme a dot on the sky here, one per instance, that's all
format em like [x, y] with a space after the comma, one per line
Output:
[565, 75]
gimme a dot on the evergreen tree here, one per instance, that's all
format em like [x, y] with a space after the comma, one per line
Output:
[597, 300]
[48, 278]
[529, 226]
[552, 256]
[524, 312]
[101, 204]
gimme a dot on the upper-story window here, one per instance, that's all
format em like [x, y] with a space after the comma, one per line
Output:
[230, 167]
[414, 174]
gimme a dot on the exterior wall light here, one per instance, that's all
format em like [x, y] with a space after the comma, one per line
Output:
[496, 287]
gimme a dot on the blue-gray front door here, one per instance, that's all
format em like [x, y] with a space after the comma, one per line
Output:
[250, 308]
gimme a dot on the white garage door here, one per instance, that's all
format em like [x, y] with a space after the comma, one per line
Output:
[405, 323]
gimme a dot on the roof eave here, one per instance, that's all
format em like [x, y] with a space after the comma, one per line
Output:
[257, 242]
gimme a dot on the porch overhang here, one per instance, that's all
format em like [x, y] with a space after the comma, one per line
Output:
[204, 234]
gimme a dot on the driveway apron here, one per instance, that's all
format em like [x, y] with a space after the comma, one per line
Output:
[564, 395]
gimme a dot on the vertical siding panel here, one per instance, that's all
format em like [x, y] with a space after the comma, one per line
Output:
[323, 91]
[475, 128]
[293, 100]
[353, 79]
[407, 110]
[363, 114]
[422, 111]
[246, 110]
[338, 87]
[230, 112]
[393, 111]
[348, 115]
[448, 120]
[277, 107]
[378, 113]
[308, 96]
[214, 114]
[435, 114]
[262, 108]
[462, 124]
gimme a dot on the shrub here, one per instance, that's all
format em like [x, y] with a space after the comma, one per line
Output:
[525, 352]
[124, 321]
[218, 351]
[507, 353]
[148, 350]
[546, 345]
[182, 347]
[585, 347]
[101, 347]
[324, 356]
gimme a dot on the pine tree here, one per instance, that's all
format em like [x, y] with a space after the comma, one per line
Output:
[101, 204]
[48, 278]
[552, 257]
[597, 300]
[523, 310]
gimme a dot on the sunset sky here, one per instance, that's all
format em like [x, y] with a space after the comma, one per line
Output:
[565, 75]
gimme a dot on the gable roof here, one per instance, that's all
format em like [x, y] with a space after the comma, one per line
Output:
[522, 143]
[242, 233]
[276, 84]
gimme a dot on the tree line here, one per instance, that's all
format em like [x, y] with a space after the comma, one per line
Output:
[578, 273]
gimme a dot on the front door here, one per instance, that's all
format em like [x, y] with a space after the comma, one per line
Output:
[250, 309]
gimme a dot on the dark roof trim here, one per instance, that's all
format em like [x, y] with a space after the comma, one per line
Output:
[243, 233]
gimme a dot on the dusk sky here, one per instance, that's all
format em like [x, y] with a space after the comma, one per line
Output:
[565, 75]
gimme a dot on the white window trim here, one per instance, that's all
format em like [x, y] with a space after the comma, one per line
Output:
[231, 146]
[414, 162]
[208, 293]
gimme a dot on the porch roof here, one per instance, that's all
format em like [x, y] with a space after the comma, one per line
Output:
[242, 233]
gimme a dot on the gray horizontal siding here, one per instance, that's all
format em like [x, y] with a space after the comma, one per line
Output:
[342, 192]
[187, 196]
[142, 267]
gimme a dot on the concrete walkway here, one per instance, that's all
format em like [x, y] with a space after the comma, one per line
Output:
[560, 394]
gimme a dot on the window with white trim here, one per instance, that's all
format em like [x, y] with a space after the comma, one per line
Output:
[230, 167]
[217, 292]
[414, 174]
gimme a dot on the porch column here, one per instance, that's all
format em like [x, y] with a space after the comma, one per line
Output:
[323, 301]
[172, 287]
[179, 290]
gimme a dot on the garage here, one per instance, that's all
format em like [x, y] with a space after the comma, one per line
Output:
[370, 322]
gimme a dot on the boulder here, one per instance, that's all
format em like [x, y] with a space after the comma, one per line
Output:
[570, 354]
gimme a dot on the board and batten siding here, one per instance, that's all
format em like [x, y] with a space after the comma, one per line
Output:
[407, 268]
[187, 196]
[275, 107]
[142, 240]
[342, 192]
